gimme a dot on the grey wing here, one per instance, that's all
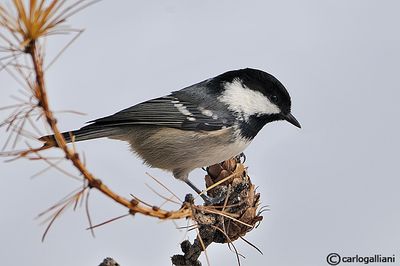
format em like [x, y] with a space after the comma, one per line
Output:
[168, 111]
[193, 108]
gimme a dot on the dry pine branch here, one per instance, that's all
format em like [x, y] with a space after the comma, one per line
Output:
[24, 26]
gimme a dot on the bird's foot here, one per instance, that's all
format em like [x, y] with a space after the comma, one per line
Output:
[207, 199]
[213, 200]
[218, 197]
[241, 158]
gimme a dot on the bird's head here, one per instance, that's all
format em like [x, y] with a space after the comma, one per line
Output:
[256, 97]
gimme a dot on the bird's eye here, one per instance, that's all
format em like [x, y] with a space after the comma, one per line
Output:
[274, 98]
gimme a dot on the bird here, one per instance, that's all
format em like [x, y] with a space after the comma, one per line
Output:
[197, 126]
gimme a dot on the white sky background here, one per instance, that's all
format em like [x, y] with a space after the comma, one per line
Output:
[332, 186]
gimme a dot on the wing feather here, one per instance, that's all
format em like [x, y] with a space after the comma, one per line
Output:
[168, 111]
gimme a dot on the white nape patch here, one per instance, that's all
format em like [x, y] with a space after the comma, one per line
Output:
[181, 108]
[245, 101]
[191, 118]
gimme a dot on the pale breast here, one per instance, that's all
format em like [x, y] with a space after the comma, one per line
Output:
[170, 148]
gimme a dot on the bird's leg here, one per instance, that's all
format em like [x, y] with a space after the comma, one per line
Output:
[190, 184]
[184, 176]
[207, 199]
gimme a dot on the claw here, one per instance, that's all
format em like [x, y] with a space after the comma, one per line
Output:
[241, 156]
[207, 199]
[213, 201]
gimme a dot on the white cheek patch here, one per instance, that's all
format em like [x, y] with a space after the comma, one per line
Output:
[245, 101]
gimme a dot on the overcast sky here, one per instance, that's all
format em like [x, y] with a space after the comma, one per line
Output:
[332, 186]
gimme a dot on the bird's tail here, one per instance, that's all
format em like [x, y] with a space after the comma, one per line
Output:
[88, 132]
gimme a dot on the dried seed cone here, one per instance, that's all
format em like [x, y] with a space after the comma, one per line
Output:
[240, 199]
[233, 217]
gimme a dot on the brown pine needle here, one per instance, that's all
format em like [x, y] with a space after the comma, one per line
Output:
[187, 227]
[168, 200]
[163, 197]
[164, 186]
[39, 19]
[203, 246]
[108, 221]
[35, 128]
[55, 216]
[59, 54]
[11, 106]
[70, 112]
[141, 201]
[14, 76]
[251, 244]
[47, 168]
[55, 166]
[229, 243]
[88, 213]
[61, 202]
[218, 183]
[226, 215]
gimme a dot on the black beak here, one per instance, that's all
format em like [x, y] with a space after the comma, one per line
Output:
[292, 120]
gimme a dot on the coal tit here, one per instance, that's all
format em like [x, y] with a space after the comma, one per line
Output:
[198, 126]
